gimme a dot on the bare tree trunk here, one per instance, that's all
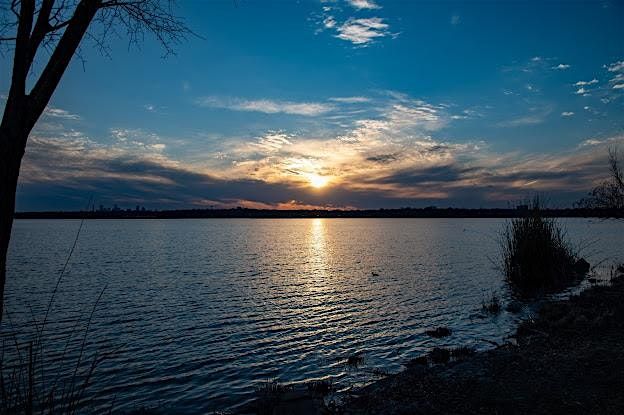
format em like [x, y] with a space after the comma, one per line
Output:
[11, 153]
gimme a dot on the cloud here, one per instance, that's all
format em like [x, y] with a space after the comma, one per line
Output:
[60, 113]
[536, 64]
[266, 106]
[455, 19]
[581, 91]
[536, 116]
[585, 83]
[393, 154]
[567, 114]
[364, 4]
[361, 32]
[382, 158]
[603, 142]
[561, 67]
[273, 141]
[615, 66]
[329, 22]
[617, 81]
[350, 100]
[522, 121]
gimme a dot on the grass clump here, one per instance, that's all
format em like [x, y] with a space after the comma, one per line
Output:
[355, 360]
[492, 305]
[322, 387]
[439, 332]
[462, 352]
[536, 255]
[268, 396]
[440, 355]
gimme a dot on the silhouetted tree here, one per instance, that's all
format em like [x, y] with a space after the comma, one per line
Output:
[59, 26]
[610, 193]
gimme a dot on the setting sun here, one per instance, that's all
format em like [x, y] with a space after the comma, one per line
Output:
[317, 181]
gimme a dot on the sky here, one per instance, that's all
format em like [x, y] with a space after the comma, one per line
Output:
[337, 104]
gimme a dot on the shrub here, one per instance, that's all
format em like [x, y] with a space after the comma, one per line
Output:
[536, 254]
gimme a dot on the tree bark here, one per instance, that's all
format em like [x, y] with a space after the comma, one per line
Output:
[11, 153]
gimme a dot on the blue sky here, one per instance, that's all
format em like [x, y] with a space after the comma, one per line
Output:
[345, 103]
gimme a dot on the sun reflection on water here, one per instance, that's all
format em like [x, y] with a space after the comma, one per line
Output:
[318, 255]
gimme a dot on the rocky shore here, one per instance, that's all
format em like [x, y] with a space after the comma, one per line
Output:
[569, 359]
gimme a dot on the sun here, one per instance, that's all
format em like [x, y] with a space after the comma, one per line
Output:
[317, 181]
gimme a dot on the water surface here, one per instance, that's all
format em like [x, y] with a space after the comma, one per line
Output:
[200, 312]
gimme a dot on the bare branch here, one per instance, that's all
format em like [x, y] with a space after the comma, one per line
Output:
[137, 18]
[20, 57]
[42, 27]
[616, 170]
[610, 193]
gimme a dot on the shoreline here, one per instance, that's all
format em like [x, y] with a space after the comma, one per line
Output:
[569, 359]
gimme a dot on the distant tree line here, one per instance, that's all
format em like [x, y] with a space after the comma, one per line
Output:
[307, 213]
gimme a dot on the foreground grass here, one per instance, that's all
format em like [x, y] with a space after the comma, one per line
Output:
[569, 359]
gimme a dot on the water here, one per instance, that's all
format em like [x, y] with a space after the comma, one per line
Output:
[200, 312]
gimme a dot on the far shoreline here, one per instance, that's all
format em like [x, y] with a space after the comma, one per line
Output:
[241, 213]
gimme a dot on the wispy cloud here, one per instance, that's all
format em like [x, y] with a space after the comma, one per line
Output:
[617, 68]
[389, 165]
[561, 67]
[536, 64]
[585, 83]
[361, 32]
[273, 141]
[537, 116]
[266, 106]
[522, 121]
[455, 19]
[394, 158]
[364, 4]
[329, 22]
[350, 100]
[60, 113]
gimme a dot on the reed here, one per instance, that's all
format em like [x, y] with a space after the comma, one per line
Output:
[536, 255]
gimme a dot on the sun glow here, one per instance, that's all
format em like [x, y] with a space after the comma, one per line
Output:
[317, 181]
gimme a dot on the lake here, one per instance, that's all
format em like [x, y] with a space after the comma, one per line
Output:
[198, 313]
